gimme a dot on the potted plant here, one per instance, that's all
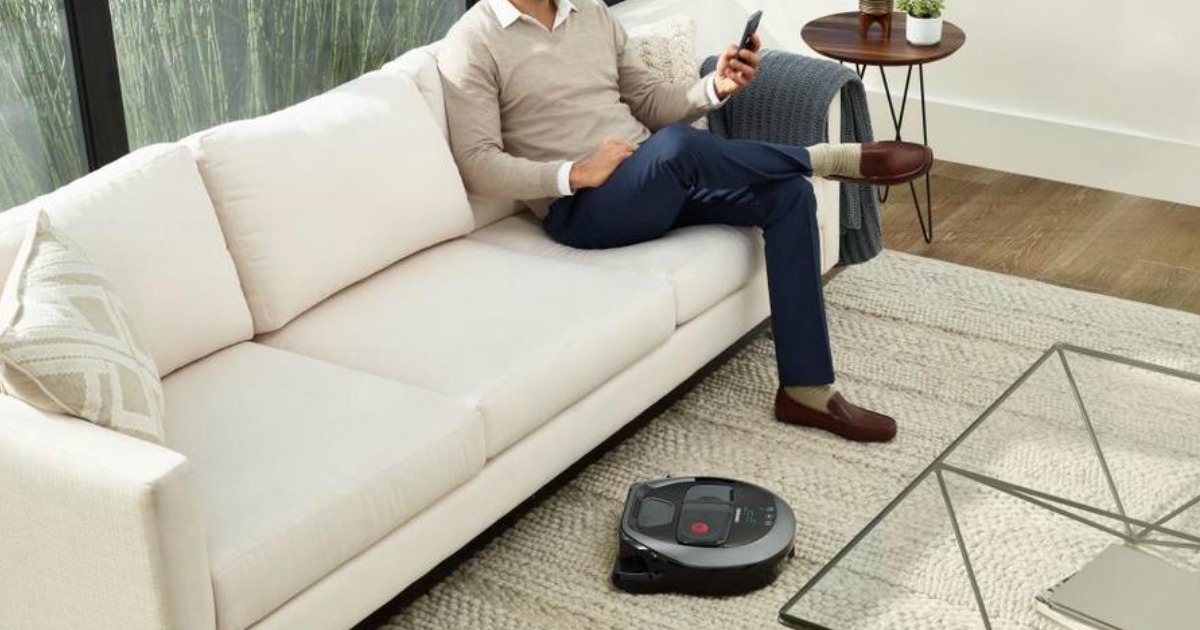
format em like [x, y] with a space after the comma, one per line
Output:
[924, 21]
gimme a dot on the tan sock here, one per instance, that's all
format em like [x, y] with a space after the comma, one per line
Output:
[814, 397]
[836, 159]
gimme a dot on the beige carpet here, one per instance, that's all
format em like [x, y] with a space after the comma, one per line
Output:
[930, 342]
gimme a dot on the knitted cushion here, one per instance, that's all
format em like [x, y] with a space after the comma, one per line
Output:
[668, 48]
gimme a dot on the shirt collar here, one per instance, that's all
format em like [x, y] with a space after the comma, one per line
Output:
[508, 14]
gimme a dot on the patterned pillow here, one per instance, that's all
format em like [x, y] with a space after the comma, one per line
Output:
[66, 345]
[668, 48]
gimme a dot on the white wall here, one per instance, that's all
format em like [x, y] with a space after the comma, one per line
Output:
[1103, 93]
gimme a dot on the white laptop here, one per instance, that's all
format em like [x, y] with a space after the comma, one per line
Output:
[1125, 588]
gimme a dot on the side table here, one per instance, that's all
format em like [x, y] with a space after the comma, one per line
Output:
[837, 37]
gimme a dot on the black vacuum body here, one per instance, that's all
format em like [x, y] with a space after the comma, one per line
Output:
[702, 535]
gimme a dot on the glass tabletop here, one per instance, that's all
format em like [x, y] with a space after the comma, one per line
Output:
[1085, 449]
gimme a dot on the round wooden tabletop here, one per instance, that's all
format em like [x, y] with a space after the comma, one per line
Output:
[837, 37]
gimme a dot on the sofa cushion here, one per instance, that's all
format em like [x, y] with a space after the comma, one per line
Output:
[320, 195]
[704, 264]
[520, 337]
[66, 344]
[147, 223]
[419, 65]
[668, 50]
[301, 465]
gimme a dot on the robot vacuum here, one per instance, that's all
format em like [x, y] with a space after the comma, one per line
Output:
[702, 535]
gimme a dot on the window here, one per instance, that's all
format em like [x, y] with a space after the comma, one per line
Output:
[41, 138]
[186, 65]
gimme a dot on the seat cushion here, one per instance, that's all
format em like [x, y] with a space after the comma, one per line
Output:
[300, 465]
[704, 264]
[518, 336]
[318, 196]
[148, 225]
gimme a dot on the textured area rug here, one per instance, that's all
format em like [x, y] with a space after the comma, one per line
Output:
[930, 342]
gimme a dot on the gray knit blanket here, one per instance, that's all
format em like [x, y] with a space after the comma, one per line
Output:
[788, 103]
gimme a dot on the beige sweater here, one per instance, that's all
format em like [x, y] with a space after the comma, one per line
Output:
[522, 100]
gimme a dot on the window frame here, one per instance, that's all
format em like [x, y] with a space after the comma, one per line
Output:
[93, 53]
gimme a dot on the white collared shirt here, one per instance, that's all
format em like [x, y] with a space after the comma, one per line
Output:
[508, 15]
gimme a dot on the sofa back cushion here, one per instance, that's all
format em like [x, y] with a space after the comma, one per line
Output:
[419, 65]
[318, 196]
[146, 222]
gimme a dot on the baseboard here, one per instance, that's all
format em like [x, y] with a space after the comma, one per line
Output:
[1107, 159]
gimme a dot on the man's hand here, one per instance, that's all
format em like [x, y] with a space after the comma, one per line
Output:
[736, 69]
[595, 171]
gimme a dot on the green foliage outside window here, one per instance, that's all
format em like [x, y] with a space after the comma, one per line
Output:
[41, 145]
[186, 65]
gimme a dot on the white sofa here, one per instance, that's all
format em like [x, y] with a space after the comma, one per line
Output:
[362, 370]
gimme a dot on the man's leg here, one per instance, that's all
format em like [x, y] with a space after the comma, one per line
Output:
[786, 210]
[682, 176]
[646, 193]
[680, 168]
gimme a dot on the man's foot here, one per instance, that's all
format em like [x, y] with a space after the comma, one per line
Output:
[840, 418]
[877, 163]
[811, 396]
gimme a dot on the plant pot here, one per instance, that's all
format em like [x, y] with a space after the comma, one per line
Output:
[923, 31]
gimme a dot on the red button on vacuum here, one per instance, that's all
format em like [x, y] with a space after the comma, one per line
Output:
[699, 528]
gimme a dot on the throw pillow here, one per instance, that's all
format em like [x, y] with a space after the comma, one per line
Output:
[668, 48]
[66, 344]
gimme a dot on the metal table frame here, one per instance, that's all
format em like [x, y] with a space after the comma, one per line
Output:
[938, 468]
[926, 218]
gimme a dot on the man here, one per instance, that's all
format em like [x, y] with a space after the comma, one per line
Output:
[547, 106]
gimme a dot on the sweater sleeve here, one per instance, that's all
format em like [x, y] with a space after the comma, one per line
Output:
[653, 101]
[470, 81]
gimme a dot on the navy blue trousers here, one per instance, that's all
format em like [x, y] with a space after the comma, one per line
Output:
[682, 176]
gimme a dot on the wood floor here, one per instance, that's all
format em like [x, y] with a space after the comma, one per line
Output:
[1094, 240]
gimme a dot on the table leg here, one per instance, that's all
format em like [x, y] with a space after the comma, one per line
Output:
[925, 218]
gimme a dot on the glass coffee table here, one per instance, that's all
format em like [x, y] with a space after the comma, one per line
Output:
[1085, 449]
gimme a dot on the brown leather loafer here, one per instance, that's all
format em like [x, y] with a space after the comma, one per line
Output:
[842, 419]
[889, 164]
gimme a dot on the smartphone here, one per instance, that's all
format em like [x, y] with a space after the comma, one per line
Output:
[751, 29]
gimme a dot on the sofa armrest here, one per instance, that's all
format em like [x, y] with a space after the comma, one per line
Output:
[829, 200]
[98, 530]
